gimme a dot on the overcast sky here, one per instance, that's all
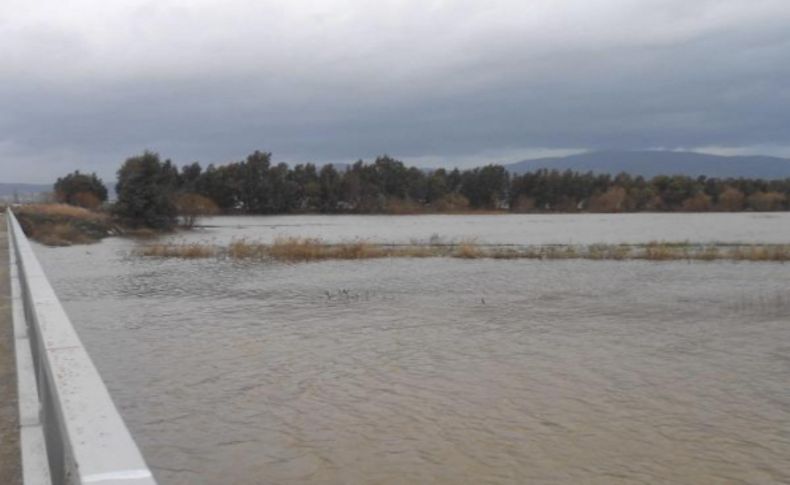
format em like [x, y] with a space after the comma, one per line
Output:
[86, 83]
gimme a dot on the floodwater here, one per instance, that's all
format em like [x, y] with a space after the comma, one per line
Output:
[513, 229]
[446, 371]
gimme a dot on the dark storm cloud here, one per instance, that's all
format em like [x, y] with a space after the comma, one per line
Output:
[432, 82]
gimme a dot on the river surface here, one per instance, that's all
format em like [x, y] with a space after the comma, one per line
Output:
[445, 371]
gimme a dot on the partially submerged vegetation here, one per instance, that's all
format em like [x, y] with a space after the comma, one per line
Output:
[63, 224]
[151, 199]
[55, 224]
[307, 249]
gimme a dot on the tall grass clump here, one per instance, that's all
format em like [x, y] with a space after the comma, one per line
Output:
[468, 250]
[709, 253]
[244, 249]
[294, 249]
[297, 249]
[656, 251]
[62, 224]
[64, 211]
[779, 253]
[179, 251]
[311, 249]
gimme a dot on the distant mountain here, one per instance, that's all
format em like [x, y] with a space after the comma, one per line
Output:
[23, 191]
[650, 163]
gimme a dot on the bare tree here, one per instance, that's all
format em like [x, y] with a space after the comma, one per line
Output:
[190, 207]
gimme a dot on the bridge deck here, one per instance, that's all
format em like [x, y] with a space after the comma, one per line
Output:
[10, 467]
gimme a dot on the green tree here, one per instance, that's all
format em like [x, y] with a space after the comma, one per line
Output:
[485, 187]
[329, 183]
[146, 187]
[190, 174]
[80, 189]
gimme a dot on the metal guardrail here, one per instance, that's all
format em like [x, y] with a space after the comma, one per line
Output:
[71, 432]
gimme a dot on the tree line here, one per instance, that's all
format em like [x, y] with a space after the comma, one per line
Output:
[155, 192]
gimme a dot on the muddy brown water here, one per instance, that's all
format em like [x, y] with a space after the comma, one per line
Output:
[441, 370]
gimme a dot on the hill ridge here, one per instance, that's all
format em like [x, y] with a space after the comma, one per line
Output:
[650, 163]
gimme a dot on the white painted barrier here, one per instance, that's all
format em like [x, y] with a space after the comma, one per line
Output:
[71, 432]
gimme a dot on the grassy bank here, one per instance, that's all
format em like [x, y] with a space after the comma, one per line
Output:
[67, 225]
[305, 250]
[63, 225]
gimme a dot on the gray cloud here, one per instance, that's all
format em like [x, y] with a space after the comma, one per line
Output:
[86, 84]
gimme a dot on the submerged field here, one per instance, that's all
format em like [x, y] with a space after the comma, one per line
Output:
[442, 370]
[297, 250]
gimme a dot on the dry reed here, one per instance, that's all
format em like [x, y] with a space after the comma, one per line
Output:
[60, 210]
[310, 249]
[180, 251]
[61, 224]
[468, 250]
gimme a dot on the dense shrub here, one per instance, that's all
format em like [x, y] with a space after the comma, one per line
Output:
[80, 189]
